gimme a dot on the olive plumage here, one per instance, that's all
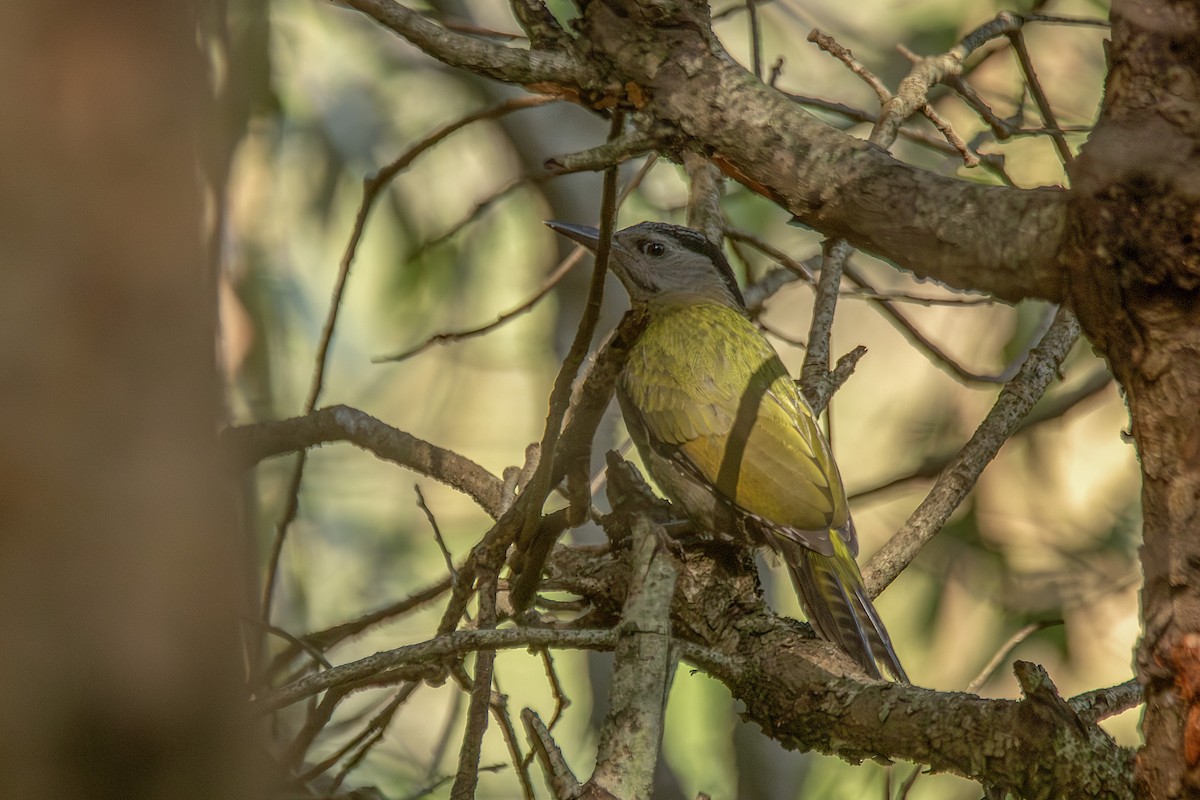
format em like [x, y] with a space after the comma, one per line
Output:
[727, 436]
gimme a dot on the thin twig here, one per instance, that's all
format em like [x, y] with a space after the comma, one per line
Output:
[475, 213]
[363, 741]
[541, 484]
[512, 64]
[755, 38]
[1053, 408]
[448, 337]
[451, 645]
[957, 479]
[519, 760]
[998, 657]
[323, 640]
[372, 186]
[467, 776]
[935, 353]
[1039, 97]
[438, 752]
[843, 54]
[249, 444]
[776, 72]
[814, 374]
[437, 532]
[797, 268]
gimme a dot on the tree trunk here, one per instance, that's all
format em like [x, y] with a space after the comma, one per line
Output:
[120, 564]
[1134, 270]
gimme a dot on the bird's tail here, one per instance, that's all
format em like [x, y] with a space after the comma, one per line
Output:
[834, 598]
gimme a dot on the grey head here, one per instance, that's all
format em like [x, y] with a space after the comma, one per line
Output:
[663, 264]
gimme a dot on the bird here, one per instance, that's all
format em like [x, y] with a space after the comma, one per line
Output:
[722, 428]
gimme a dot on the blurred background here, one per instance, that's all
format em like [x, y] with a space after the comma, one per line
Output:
[316, 97]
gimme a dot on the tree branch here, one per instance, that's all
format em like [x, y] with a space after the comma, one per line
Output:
[508, 64]
[957, 479]
[249, 444]
[807, 695]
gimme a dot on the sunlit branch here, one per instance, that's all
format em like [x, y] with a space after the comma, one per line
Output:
[508, 64]
[1053, 408]
[249, 444]
[958, 478]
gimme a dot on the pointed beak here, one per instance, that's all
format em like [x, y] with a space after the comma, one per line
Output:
[587, 236]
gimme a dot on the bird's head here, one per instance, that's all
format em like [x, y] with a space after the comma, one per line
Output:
[662, 264]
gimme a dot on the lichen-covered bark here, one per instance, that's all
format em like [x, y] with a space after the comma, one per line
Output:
[991, 238]
[809, 696]
[1133, 262]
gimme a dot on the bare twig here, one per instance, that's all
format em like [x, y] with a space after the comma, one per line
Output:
[323, 640]
[1101, 704]
[561, 701]
[801, 270]
[1039, 97]
[519, 760]
[618, 150]
[437, 532]
[936, 355]
[459, 50]
[438, 752]
[814, 375]
[249, 444]
[561, 780]
[776, 72]
[755, 38]
[998, 657]
[362, 742]
[843, 54]
[552, 280]
[531, 551]
[467, 776]
[1052, 408]
[451, 645]
[475, 213]
[956, 480]
[372, 186]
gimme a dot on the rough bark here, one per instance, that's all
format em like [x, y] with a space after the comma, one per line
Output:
[670, 65]
[809, 696]
[1134, 271]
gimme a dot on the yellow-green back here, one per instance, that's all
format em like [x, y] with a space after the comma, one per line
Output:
[704, 380]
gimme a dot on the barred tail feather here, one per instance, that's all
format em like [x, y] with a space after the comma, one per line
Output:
[834, 598]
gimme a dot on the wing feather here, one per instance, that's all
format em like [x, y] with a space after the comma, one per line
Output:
[705, 382]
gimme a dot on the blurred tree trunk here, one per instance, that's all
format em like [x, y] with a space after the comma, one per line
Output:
[120, 576]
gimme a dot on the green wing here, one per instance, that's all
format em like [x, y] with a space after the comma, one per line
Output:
[706, 383]
[713, 410]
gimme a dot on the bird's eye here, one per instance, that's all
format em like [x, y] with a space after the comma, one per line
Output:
[653, 249]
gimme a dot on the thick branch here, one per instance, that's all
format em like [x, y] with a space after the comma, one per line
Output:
[991, 238]
[807, 695]
[664, 61]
